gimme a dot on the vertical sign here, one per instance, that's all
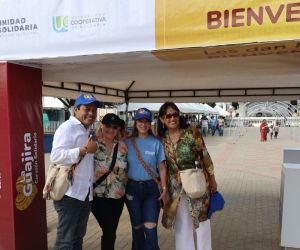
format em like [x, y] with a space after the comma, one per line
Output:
[23, 211]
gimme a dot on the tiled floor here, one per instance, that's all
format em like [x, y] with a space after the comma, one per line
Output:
[248, 173]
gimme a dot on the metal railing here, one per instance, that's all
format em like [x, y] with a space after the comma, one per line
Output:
[238, 125]
[51, 126]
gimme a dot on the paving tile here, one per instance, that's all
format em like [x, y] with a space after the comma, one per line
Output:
[248, 173]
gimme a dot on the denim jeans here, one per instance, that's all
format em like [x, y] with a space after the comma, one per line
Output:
[213, 130]
[107, 211]
[221, 130]
[204, 131]
[73, 216]
[143, 207]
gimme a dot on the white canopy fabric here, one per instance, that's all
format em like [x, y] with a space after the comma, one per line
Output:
[135, 106]
[183, 107]
[52, 102]
[211, 110]
[139, 51]
[221, 111]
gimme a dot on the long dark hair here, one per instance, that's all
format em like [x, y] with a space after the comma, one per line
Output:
[135, 132]
[161, 129]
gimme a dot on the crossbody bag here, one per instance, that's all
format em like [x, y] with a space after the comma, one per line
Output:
[113, 162]
[58, 179]
[193, 180]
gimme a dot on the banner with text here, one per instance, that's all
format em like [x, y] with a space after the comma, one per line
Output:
[43, 29]
[210, 23]
[56, 28]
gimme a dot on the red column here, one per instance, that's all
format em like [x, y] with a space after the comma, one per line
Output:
[22, 209]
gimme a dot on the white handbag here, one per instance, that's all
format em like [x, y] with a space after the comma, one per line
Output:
[57, 182]
[193, 182]
[58, 179]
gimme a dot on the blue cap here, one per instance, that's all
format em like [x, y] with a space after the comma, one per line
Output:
[86, 99]
[216, 203]
[143, 113]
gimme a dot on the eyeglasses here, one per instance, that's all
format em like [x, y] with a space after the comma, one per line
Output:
[169, 116]
[112, 126]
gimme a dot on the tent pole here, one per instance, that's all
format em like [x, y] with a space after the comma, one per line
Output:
[127, 103]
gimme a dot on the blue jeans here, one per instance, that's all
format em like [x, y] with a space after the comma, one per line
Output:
[143, 207]
[213, 130]
[73, 216]
[204, 131]
[221, 130]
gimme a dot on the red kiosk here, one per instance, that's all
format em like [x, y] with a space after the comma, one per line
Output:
[23, 211]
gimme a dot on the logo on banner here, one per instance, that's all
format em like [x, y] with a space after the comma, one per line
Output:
[17, 26]
[60, 23]
[72, 23]
[26, 184]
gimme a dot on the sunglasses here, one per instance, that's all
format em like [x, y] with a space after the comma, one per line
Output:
[112, 126]
[174, 115]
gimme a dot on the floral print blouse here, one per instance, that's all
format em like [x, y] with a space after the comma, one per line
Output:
[188, 149]
[114, 185]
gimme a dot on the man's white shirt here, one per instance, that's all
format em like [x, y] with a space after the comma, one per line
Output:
[68, 139]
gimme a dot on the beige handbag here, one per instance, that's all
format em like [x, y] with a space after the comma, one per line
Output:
[57, 182]
[193, 182]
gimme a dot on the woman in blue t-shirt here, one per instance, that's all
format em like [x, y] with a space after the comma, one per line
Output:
[146, 185]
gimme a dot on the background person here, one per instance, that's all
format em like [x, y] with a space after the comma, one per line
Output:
[108, 199]
[221, 125]
[142, 192]
[213, 125]
[271, 131]
[276, 130]
[263, 130]
[204, 125]
[71, 142]
[182, 149]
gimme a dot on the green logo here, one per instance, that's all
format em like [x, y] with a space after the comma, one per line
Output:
[60, 23]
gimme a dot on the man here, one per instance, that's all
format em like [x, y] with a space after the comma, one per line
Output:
[71, 143]
[213, 125]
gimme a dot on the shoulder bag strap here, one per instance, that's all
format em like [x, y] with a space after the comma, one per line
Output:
[148, 170]
[113, 162]
[72, 169]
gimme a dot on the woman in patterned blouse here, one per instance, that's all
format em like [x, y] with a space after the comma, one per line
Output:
[108, 199]
[183, 147]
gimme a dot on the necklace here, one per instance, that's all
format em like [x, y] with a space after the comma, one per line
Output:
[174, 137]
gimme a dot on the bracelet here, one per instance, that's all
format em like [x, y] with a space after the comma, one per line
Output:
[163, 187]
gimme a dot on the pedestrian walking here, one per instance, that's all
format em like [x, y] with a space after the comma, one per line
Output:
[276, 131]
[263, 130]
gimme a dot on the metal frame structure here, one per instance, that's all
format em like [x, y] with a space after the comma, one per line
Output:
[281, 110]
[276, 109]
[128, 93]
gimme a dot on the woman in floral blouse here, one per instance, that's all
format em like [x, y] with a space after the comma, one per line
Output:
[108, 199]
[183, 147]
